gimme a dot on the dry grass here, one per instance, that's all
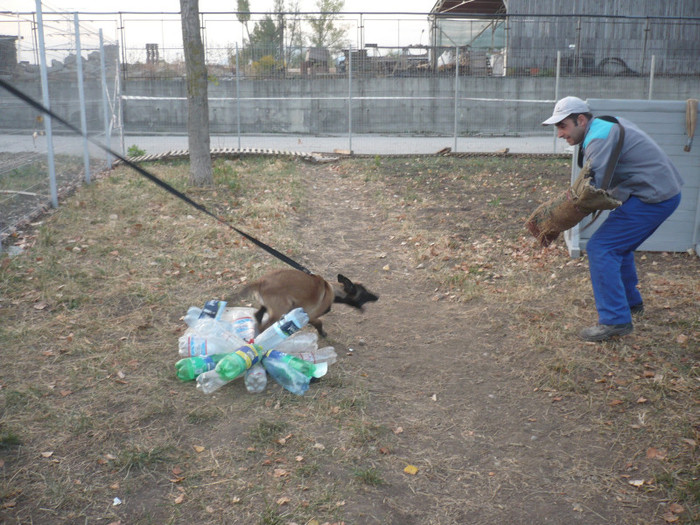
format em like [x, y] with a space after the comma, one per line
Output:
[92, 310]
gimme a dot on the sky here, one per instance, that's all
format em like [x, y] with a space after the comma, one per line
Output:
[222, 31]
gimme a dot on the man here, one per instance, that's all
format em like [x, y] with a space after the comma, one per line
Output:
[648, 185]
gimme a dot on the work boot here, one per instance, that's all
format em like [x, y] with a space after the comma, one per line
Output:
[637, 309]
[602, 332]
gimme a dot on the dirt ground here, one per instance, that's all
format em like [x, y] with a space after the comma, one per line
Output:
[455, 376]
[467, 368]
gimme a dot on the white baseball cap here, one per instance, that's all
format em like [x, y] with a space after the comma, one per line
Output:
[566, 107]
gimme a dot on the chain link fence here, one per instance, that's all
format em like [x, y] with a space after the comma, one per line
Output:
[388, 83]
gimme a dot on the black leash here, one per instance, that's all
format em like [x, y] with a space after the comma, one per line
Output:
[153, 178]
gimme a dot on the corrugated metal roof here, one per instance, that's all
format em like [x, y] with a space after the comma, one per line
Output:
[469, 7]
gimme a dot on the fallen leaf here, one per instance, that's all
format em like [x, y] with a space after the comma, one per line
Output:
[615, 402]
[636, 482]
[299, 459]
[177, 471]
[180, 499]
[410, 469]
[642, 399]
[384, 450]
[47, 454]
[198, 448]
[670, 518]
[283, 500]
[398, 430]
[41, 305]
[280, 473]
[676, 508]
[655, 453]
[682, 339]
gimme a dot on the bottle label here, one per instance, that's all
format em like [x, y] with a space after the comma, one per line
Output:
[205, 365]
[210, 309]
[287, 328]
[274, 354]
[220, 309]
[245, 328]
[307, 356]
[197, 346]
[249, 353]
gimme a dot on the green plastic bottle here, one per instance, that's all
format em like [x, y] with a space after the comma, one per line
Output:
[230, 366]
[189, 368]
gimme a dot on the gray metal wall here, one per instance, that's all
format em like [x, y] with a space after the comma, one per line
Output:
[594, 40]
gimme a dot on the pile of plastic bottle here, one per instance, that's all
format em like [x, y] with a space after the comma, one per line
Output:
[222, 344]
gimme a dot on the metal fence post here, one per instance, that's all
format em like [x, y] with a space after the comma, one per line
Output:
[238, 100]
[556, 96]
[47, 104]
[349, 98]
[81, 96]
[119, 100]
[456, 94]
[651, 75]
[105, 101]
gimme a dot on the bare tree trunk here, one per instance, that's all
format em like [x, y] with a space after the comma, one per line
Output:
[197, 103]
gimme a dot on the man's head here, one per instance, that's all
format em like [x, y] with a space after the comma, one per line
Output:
[571, 114]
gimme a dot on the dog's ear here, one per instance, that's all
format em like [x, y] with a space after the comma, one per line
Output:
[348, 285]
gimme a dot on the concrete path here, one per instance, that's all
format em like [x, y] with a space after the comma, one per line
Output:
[361, 144]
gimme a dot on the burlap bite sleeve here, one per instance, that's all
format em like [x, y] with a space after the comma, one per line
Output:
[569, 208]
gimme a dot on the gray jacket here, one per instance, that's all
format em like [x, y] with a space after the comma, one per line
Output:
[643, 169]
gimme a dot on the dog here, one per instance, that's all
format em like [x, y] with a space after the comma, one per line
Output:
[280, 291]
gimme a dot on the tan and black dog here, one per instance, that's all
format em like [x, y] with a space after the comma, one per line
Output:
[280, 291]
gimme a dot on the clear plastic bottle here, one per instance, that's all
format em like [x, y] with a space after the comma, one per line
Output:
[299, 342]
[189, 368]
[210, 382]
[203, 326]
[193, 313]
[255, 379]
[292, 373]
[326, 354]
[194, 344]
[288, 324]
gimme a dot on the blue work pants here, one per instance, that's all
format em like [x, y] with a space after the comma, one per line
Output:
[611, 255]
